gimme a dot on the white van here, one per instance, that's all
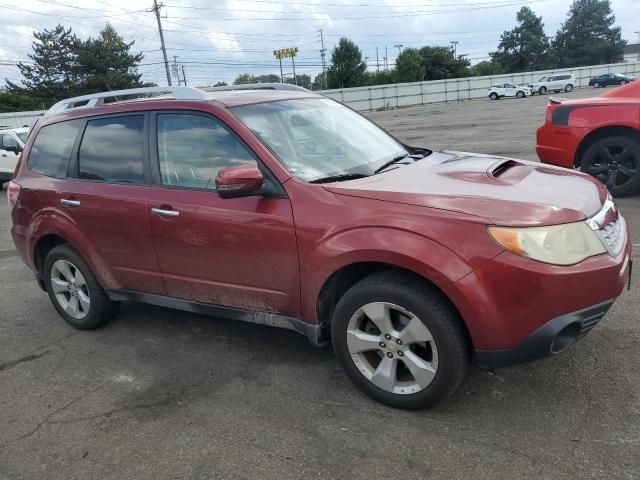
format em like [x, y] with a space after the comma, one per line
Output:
[553, 83]
[12, 142]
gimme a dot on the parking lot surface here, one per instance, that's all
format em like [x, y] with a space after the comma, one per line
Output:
[159, 393]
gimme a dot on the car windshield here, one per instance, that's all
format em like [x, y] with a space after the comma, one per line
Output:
[543, 79]
[23, 136]
[317, 138]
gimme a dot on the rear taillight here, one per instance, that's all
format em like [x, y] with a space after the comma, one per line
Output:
[13, 192]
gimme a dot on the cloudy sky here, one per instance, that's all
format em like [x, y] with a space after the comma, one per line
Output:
[218, 39]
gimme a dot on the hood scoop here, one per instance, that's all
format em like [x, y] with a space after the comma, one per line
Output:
[501, 167]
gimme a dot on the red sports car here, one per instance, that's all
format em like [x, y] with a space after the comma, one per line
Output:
[600, 136]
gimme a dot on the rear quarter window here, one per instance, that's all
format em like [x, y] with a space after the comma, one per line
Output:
[51, 150]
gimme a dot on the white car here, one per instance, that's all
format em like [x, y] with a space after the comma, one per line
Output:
[508, 90]
[12, 142]
[553, 83]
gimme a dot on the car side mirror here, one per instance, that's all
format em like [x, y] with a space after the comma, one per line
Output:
[14, 149]
[243, 180]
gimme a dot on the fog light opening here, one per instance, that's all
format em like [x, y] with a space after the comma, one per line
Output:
[565, 338]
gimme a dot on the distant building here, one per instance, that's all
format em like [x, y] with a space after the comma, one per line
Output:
[631, 52]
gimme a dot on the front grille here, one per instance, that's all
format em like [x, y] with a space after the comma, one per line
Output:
[613, 236]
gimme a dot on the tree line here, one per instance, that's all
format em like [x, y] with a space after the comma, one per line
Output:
[587, 37]
[62, 65]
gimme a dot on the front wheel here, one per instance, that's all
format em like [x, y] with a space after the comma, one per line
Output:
[399, 341]
[596, 85]
[542, 90]
[74, 290]
[494, 96]
[615, 161]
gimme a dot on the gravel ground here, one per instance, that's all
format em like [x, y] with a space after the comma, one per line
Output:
[165, 394]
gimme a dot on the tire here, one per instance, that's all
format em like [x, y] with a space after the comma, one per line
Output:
[520, 94]
[411, 302]
[63, 266]
[596, 85]
[568, 88]
[615, 161]
[623, 82]
[542, 90]
[494, 96]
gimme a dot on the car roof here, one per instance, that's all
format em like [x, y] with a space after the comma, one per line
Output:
[225, 99]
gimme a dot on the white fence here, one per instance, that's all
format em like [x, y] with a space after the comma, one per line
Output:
[19, 119]
[365, 99]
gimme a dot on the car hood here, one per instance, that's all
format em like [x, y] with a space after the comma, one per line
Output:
[500, 190]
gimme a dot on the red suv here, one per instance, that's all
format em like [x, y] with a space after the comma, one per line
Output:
[285, 208]
[600, 136]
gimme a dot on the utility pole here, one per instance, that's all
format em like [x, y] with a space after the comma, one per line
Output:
[399, 47]
[156, 10]
[454, 45]
[323, 53]
[386, 56]
[377, 61]
[175, 69]
[638, 45]
[184, 78]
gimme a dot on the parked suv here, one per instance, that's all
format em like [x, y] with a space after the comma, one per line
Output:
[553, 83]
[287, 209]
[11, 144]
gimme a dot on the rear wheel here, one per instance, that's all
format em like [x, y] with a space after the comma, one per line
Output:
[615, 161]
[74, 290]
[568, 88]
[494, 96]
[520, 94]
[399, 341]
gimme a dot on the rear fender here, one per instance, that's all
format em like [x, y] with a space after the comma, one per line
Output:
[51, 221]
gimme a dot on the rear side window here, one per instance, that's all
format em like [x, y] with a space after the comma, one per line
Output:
[111, 150]
[52, 148]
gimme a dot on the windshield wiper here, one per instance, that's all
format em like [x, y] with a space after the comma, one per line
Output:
[339, 178]
[390, 162]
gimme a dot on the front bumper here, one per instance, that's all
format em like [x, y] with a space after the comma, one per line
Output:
[552, 338]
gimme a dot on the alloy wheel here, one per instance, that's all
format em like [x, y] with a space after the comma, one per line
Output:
[392, 348]
[70, 289]
[615, 165]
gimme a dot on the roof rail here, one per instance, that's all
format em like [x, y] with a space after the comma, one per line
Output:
[95, 99]
[256, 86]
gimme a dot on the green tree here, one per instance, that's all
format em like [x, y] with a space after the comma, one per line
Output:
[384, 77]
[347, 67]
[12, 101]
[487, 68]
[588, 36]
[106, 63]
[50, 75]
[440, 63]
[409, 67]
[304, 81]
[221, 84]
[246, 78]
[525, 47]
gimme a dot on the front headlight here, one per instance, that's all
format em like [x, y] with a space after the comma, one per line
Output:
[558, 244]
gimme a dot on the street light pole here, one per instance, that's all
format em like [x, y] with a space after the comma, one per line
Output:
[454, 44]
[399, 48]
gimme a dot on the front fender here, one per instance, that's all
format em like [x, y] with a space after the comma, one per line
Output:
[394, 246]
